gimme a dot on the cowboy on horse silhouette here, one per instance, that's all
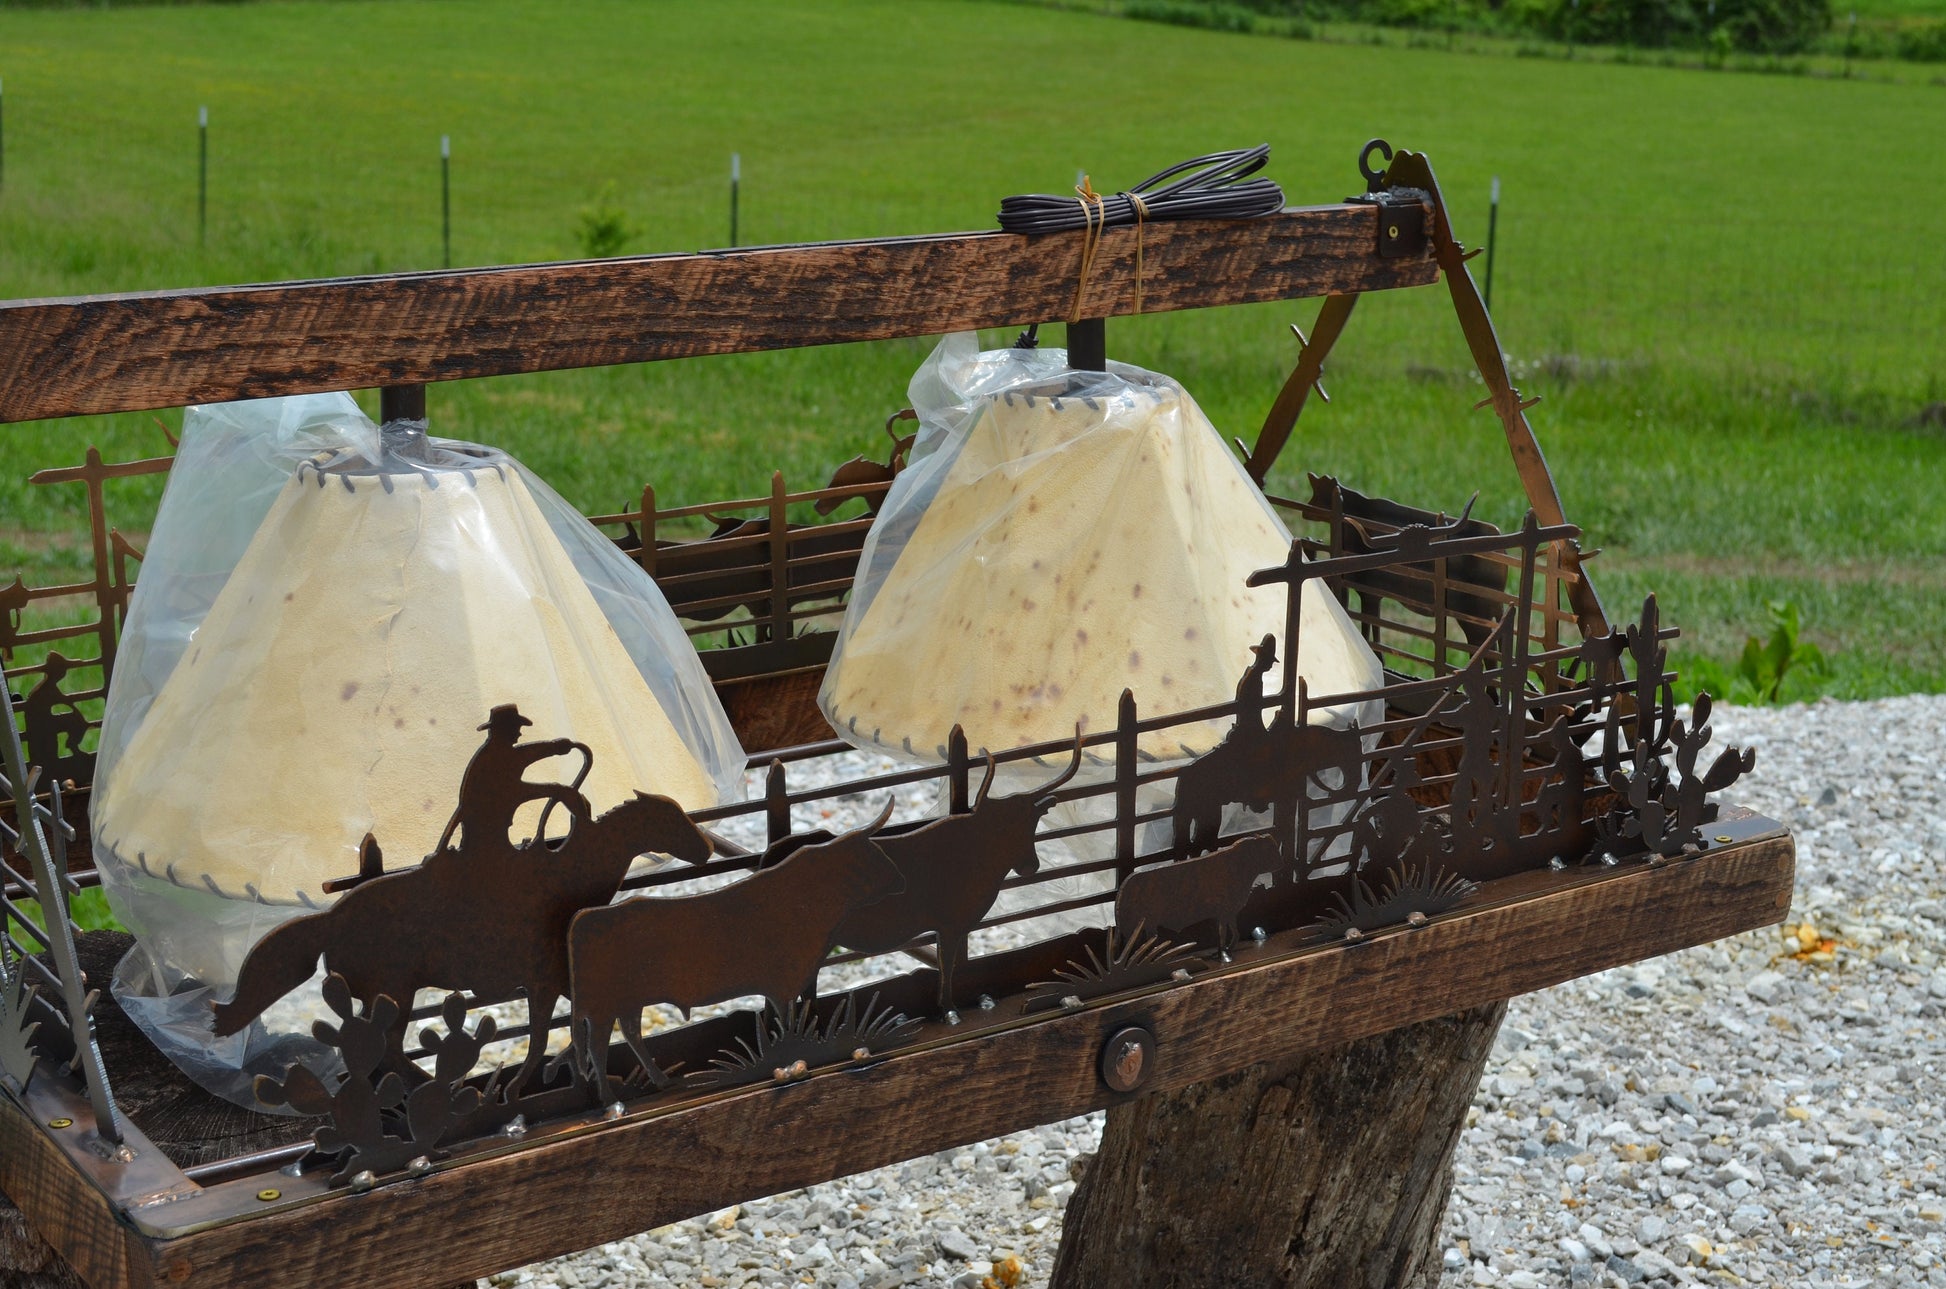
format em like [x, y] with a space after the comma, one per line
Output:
[494, 788]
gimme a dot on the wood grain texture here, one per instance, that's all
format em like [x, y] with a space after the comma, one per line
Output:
[64, 1209]
[26, 1260]
[1328, 1172]
[114, 353]
[575, 1191]
[775, 711]
[189, 1125]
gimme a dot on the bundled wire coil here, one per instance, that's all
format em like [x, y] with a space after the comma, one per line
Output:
[1217, 186]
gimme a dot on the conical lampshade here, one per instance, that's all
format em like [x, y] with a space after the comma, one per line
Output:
[335, 687]
[1074, 547]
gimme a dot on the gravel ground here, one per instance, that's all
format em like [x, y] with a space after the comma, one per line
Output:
[1762, 1111]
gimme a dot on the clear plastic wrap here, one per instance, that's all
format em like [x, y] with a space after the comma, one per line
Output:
[325, 613]
[1061, 536]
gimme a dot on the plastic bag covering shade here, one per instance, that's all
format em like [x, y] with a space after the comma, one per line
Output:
[1062, 536]
[325, 614]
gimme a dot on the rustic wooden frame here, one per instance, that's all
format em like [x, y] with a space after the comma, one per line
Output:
[146, 1222]
[601, 1180]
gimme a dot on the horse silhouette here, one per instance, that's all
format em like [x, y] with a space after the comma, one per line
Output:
[488, 919]
[763, 935]
[1258, 766]
[730, 570]
[1211, 781]
[1467, 576]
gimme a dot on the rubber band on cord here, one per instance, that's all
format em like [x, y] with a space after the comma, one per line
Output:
[1141, 215]
[1094, 215]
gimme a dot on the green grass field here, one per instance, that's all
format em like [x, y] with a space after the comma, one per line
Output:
[1729, 289]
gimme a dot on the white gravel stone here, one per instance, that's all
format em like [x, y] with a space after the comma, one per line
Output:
[1813, 1079]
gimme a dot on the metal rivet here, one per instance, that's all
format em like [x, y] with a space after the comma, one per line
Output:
[1353, 934]
[363, 1181]
[1127, 1058]
[1723, 838]
[60, 1123]
[1393, 232]
[1415, 918]
[268, 1195]
[419, 1167]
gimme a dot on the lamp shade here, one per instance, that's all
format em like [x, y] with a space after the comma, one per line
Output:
[336, 683]
[1066, 536]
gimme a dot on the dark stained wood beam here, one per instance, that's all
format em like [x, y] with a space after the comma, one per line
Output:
[118, 353]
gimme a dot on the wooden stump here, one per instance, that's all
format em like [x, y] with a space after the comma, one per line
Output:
[1332, 1170]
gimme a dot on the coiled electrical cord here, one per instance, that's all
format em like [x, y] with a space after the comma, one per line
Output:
[1217, 186]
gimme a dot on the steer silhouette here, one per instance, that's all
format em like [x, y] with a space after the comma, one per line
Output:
[1212, 887]
[952, 869]
[763, 935]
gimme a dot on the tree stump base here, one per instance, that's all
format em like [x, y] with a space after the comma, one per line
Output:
[1330, 1171]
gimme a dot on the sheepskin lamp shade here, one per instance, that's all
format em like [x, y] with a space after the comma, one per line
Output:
[335, 687]
[1073, 547]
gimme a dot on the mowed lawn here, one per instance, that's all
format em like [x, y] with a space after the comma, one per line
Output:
[1729, 289]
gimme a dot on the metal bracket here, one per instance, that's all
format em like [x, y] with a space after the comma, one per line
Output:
[1402, 223]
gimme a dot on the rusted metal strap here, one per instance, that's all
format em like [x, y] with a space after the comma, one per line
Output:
[1303, 379]
[1413, 170]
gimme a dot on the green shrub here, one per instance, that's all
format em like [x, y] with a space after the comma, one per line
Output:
[1186, 13]
[603, 229]
[1923, 44]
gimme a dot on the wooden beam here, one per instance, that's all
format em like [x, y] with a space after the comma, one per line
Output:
[117, 353]
[65, 1207]
[611, 1180]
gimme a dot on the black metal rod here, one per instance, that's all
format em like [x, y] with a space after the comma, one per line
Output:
[1493, 229]
[1088, 345]
[202, 175]
[736, 180]
[445, 202]
[401, 403]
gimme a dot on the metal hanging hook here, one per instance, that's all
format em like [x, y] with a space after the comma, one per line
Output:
[1374, 179]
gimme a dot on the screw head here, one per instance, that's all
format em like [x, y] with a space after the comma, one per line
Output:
[363, 1181]
[1724, 838]
[1127, 1058]
[269, 1193]
[60, 1123]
